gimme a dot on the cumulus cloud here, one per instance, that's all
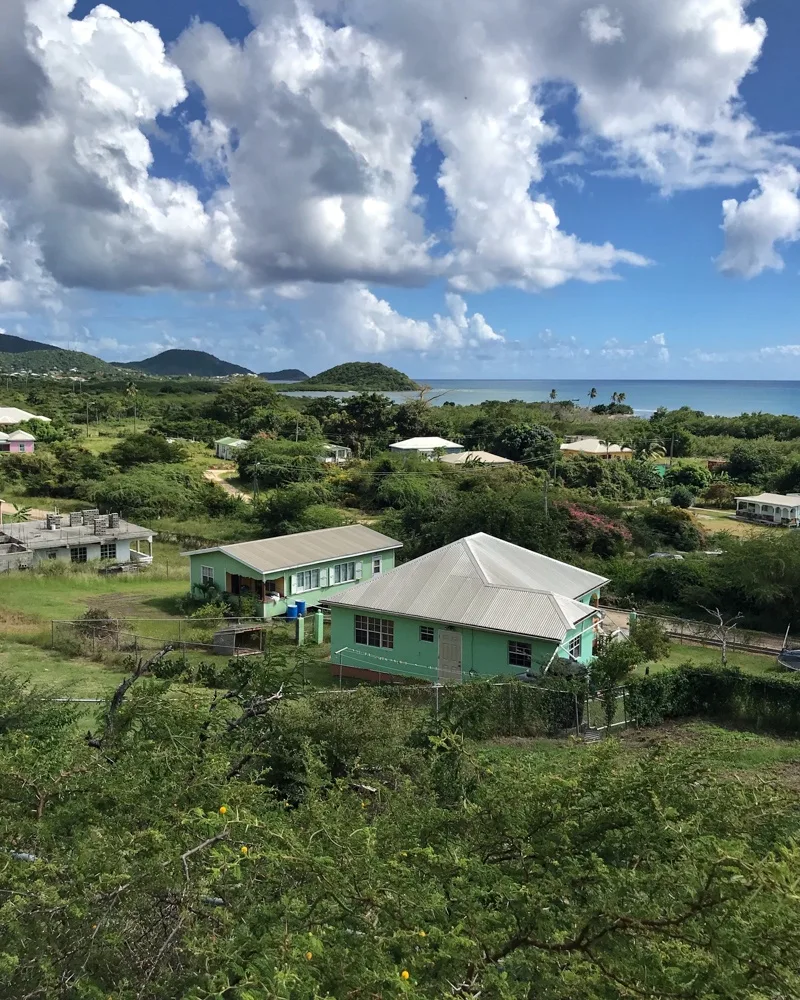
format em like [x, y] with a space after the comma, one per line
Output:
[752, 228]
[309, 129]
[654, 349]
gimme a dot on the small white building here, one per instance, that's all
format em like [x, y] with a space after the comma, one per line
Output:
[770, 508]
[475, 458]
[427, 446]
[335, 454]
[229, 447]
[597, 448]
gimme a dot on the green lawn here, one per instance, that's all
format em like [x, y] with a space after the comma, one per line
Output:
[706, 656]
[74, 676]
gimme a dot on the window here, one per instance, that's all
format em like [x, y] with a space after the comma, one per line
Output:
[376, 566]
[52, 554]
[78, 554]
[575, 646]
[344, 572]
[519, 654]
[108, 550]
[308, 579]
[375, 632]
[426, 633]
[206, 574]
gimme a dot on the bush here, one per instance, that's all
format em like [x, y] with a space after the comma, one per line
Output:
[142, 449]
[693, 475]
[682, 497]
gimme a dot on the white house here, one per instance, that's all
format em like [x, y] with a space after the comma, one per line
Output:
[770, 508]
[596, 447]
[228, 447]
[427, 446]
[476, 458]
[335, 454]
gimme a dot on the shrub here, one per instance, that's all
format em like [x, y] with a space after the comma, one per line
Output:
[682, 497]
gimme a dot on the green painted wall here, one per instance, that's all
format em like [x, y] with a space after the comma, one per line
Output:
[483, 654]
[222, 564]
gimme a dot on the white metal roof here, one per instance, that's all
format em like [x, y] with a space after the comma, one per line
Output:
[481, 582]
[306, 548]
[594, 446]
[486, 457]
[777, 499]
[423, 444]
[19, 436]
[13, 415]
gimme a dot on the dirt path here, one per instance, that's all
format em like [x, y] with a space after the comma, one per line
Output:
[8, 510]
[217, 476]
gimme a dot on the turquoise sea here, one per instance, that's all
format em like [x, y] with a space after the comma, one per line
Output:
[722, 398]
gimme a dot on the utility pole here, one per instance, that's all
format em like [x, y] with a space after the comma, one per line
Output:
[546, 485]
[87, 418]
[297, 430]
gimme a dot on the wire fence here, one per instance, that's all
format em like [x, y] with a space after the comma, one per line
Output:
[695, 632]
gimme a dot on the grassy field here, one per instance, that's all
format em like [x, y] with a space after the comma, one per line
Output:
[702, 656]
[75, 677]
[715, 521]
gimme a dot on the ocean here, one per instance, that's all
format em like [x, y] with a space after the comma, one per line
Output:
[721, 398]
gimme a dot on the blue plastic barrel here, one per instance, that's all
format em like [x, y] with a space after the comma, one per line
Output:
[291, 611]
[301, 608]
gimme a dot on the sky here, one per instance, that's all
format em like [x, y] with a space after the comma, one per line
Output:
[466, 188]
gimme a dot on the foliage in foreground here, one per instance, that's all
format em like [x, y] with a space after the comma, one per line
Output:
[336, 846]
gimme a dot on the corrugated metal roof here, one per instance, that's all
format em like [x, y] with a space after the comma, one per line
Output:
[14, 415]
[424, 444]
[789, 500]
[272, 555]
[594, 446]
[475, 456]
[481, 582]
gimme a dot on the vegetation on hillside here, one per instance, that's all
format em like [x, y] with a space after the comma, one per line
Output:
[179, 362]
[284, 375]
[44, 358]
[361, 375]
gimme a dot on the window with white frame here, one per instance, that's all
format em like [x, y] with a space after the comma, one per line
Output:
[575, 646]
[374, 632]
[519, 654]
[426, 633]
[78, 554]
[206, 574]
[307, 579]
[377, 566]
[108, 550]
[344, 572]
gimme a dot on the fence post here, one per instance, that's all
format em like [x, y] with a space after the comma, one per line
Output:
[180, 635]
[577, 715]
[52, 634]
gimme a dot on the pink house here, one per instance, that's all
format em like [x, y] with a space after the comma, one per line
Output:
[17, 441]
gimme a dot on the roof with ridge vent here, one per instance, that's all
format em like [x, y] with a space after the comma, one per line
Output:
[485, 583]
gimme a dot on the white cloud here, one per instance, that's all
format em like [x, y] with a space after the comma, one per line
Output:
[309, 131]
[753, 227]
[654, 349]
[601, 26]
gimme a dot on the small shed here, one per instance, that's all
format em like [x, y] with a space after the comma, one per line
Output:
[239, 640]
[227, 447]
[17, 441]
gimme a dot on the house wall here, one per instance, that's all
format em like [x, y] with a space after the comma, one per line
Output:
[222, 564]
[483, 654]
[18, 446]
[92, 552]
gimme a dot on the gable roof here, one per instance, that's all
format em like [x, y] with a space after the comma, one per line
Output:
[424, 444]
[481, 582]
[20, 436]
[594, 446]
[306, 548]
[231, 441]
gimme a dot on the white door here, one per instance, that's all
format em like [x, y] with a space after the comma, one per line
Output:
[449, 657]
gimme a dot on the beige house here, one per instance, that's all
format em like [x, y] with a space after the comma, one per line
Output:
[475, 458]
[596, 448]
[770, 508]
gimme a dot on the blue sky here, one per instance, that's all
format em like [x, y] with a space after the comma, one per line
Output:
[612, 189]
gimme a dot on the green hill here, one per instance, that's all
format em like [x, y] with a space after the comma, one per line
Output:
[44, 359]
[360, 375]
[10, 344]
[284, 375]
[178, 362]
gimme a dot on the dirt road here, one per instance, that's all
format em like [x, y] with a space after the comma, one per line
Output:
[9, 509]
[218, 476]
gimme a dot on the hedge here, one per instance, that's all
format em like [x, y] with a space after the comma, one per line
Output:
[768, 703]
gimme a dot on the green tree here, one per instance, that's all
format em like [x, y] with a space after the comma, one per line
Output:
[141, 449]
[752, 461]
[693, 475]
[681, 496]
[534, 444]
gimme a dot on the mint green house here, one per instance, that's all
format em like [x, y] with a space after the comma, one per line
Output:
[307, 566]
[477, 608]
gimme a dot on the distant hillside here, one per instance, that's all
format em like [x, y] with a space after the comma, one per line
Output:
[185, 363]
[285, 375]
[44, 359]
[360, 375]
[18, 345]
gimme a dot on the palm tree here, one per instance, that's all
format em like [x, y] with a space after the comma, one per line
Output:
[614, 397]
[21, 514]
[593, 393]
[132, 392]
[553, 395]
[621, 397]
[645, 448]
